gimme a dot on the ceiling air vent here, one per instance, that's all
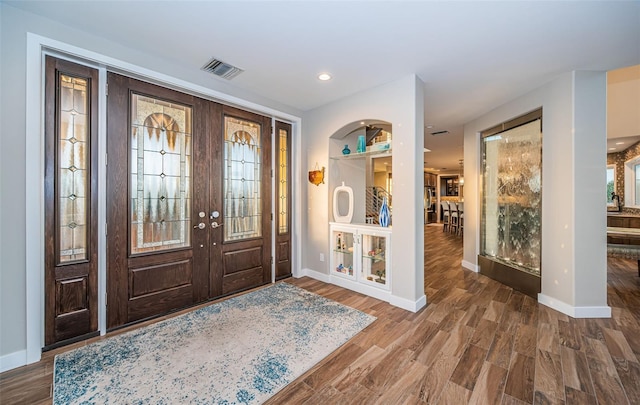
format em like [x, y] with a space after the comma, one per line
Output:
[440, 133]
[222, 69]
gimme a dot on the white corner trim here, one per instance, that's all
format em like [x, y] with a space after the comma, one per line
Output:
[575, 312]
[13, 360]
[413, 306]
[316, 275]
[470, 266]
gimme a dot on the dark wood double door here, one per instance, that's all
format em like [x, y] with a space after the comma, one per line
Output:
[188, 200]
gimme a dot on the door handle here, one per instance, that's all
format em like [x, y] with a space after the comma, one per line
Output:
[201, 225]
[215, 225]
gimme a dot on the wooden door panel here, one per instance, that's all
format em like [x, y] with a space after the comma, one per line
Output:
[241, 260]
[156, 278]
[283, 261]
[150, 272]
[71, 218]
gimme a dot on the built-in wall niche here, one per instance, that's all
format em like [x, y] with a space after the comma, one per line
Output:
[368, 173]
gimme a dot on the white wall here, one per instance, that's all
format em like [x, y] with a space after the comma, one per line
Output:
[401, 104]
[573, 177]
[623, 102]
[14, 26]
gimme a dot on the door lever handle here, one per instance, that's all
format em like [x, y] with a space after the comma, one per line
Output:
[201, 225]
[214, 225]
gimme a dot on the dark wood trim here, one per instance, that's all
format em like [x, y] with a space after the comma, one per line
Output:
[515, 278]
[515, 122]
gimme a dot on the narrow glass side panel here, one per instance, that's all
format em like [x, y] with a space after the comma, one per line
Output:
[72, 167]
[511, 214]
[241, 182]
[283, 194]
[160, 175]
[374, 262]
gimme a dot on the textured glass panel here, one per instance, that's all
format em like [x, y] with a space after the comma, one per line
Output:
[160, 175]
[72, 164]
[243, 208]
[283, 218]
[512, 197]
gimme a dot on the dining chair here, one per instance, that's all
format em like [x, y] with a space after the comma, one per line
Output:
[444, 207]
[453, 220]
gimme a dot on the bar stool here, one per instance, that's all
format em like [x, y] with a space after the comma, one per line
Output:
[444, 207]
[453, 226]
[460, 218]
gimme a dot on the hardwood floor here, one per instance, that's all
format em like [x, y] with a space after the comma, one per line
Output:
[477, 341]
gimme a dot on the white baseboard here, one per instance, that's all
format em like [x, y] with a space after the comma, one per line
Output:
[316, 275]
[13, 360]
[413, 306]
[575, 312]
[470, 266]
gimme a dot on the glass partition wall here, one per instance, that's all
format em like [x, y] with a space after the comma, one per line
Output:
[511, 203]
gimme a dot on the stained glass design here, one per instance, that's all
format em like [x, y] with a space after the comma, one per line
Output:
[73, 165]
[160, 175]
[512, 197]
[242, 173]
[283, 192]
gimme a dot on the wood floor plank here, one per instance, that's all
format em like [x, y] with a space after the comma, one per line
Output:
[549, 379]
[468, 369]
[576, 370]
[520, 381]
[489, 386]
[525, 340]
[577, 397]
[629, 373]
[501, 349]
[618, 345]
[607, 386]
[484, 333]
[453, 394]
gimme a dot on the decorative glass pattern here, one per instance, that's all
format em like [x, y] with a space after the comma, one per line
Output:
[283, 191]
[512, 197]
[160, 175]
[73, 166]
[242, 174]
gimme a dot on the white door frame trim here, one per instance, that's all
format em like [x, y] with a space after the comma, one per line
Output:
[34, 224]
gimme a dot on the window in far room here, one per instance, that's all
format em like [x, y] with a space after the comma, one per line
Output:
[632, 182]
[611, 183]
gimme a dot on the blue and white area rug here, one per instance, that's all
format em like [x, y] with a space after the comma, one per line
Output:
[239, 351]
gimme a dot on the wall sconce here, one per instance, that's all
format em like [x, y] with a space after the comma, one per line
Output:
[316, 176]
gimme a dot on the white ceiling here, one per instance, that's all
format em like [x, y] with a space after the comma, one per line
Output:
[472, 56]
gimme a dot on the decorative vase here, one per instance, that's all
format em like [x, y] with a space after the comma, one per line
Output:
[346, 150]
[362, 145]
[384, 213]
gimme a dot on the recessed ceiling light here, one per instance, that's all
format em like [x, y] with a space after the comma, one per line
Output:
[324, 76]
[427, 150]
[612, 148]
[361, 122]
[429, 126]
[619, 143]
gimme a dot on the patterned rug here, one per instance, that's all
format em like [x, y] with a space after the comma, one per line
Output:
[239, 351]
